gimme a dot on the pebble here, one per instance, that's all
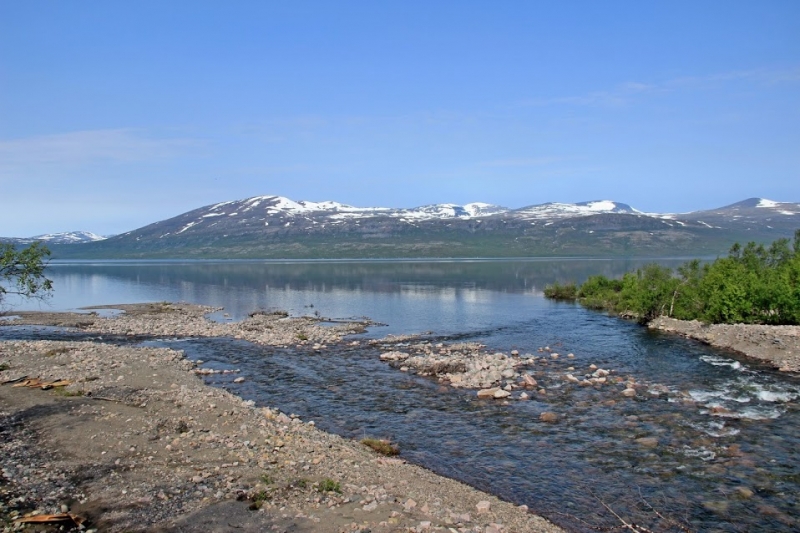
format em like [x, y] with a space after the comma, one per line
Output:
[483, 507]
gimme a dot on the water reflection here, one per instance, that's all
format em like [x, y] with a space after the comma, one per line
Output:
[446, 296]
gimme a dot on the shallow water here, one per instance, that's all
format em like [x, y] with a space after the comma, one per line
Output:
[726, 455]
[700, 471]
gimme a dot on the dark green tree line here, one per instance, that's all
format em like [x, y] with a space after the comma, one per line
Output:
[754, 284]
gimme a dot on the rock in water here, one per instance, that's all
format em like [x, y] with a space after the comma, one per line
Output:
[549, 417]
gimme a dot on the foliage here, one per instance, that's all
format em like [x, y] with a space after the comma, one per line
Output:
[22, 271]
[557, 291]
[382, 446]
[329, 485]
[753, 284]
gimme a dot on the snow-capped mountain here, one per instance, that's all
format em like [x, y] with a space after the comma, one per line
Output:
[69, 237]
[554, 210]
[279, 227]
[66, 237]
[278, 210]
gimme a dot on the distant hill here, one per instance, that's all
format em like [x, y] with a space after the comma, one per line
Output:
[68, 237]
[277, 227]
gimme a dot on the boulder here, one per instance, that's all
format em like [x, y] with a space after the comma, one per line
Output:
[549, 417]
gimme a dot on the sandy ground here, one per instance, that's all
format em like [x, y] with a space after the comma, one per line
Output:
[137, 442]
[778, 346]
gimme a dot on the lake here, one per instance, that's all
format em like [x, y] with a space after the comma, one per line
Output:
[713, 444]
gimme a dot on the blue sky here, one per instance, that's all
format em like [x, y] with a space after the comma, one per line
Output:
[116, 114]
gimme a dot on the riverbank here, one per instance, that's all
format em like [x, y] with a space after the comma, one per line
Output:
[778, 346]
[136, 441]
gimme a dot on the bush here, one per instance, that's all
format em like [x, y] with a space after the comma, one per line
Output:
[329, 485]
[754, 284]
[556, 291]
[382, 446]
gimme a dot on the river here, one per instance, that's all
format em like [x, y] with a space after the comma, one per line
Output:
[713, 443]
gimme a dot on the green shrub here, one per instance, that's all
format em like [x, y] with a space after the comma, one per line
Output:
[754, 284]
[382, 446]
[329, 485]
[557, 291]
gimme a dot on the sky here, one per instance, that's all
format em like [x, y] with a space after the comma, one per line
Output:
[114, 115]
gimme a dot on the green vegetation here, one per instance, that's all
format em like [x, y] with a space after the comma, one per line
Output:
[382, 446]
[329, 485]
[67, 393]
[754, 284]
[22, 271]
[300, 483]
[556, 291]
[258, 499]
[52, 352]
[4, 366]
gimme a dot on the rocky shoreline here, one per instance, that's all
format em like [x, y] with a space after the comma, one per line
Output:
[778, 346]
[137, 442]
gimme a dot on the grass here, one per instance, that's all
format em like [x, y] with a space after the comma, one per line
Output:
[66, 393]
[263, 312]
[4, 366]
[302, 336]
[382, 446]
[258, 499]
[55, 351]
[329, 485]
[300, 483]
[266, 479]
[557, 291]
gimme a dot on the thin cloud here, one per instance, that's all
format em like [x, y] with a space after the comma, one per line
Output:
[522, 162]
[626, 92]
[84, 147]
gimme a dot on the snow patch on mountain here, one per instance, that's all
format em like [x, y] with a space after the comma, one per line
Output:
[560, 210]
[69, 237]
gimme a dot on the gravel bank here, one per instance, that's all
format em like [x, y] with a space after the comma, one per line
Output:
[777, 345]
[137, 442]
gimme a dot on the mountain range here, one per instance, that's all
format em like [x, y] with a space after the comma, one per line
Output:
[278, 227]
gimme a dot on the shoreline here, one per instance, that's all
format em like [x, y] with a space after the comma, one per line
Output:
[137, 441]
[777, 346]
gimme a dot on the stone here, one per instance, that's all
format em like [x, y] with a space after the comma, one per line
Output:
[630, 393]
[508, 373]
[549, 417]
[410, 505]
[370, 507]
[499, 394]
[571, 378]
[483, 507]
[529, 381]
[487, 393]
[524, 396]
[515, 352]
[239, 380]
[744, 493]
[647, 442]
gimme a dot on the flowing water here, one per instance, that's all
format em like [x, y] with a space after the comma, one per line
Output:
[713, 442]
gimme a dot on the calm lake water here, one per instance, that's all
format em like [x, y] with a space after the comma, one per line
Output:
[723, 450]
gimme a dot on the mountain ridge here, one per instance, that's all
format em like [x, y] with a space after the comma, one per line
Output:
[278, 227]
